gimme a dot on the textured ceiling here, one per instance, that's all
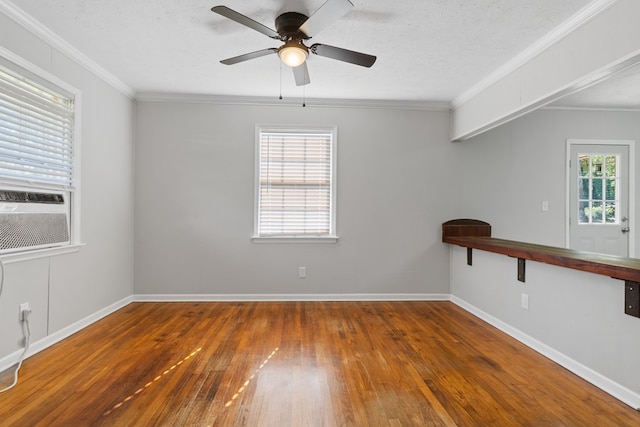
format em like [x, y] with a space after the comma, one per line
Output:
[428, 50]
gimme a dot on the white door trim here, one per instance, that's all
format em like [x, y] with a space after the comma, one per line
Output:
[632, 184]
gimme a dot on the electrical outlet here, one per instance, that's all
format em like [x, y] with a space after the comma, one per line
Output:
[545, 206]
[524, 301]
[25, 310]
[302, 272]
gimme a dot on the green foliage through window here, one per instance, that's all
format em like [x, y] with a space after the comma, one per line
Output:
[598, 189]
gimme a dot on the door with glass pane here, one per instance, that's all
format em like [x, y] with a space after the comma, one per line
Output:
[599, 193]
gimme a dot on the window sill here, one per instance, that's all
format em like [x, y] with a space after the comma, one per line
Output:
[40, 253]
[330, 239]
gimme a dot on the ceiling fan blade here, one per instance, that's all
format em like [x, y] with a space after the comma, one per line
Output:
[328, 13]
[248, 56]
[343, 55]
[245, 20]
[301, 74]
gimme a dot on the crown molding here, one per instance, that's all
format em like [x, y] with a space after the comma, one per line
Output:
[582, 17]
[293, 102]
[37, 28]
[597, 109]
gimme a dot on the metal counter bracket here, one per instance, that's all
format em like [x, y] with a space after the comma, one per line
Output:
[632, 298]
[521, 266]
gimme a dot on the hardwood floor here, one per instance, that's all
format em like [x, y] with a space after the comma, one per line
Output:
[300, 364]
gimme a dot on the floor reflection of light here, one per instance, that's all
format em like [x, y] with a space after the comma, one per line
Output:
[247, 382]
[150, 383]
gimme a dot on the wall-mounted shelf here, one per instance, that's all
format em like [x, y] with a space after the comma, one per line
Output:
[474, 234]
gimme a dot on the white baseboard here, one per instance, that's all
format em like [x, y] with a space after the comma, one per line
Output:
[36, 347]
[618, 391]
[287, 297]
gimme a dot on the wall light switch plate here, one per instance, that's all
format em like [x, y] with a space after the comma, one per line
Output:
[545, 206]
[524, 301]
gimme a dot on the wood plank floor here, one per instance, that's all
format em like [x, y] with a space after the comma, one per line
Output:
[300, 364]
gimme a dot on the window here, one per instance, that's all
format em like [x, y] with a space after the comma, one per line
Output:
[598, 189]
[38, 149]
[36, 132]
[295, 189]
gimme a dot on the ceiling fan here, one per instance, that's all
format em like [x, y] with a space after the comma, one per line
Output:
[294, 29]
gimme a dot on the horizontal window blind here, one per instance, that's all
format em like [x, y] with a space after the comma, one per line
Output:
[295, 184]
[36, 131]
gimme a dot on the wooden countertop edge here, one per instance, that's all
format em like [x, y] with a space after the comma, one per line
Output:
[613, 266]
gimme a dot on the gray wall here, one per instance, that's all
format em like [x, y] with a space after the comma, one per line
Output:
[194, 203]
[65, 289]
[507, 173]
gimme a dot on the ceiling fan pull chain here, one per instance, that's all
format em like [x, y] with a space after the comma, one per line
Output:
[280, 98]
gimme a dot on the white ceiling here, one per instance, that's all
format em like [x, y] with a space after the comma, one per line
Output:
[428, 50]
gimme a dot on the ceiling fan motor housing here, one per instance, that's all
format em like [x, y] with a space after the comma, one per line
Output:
[288, 26]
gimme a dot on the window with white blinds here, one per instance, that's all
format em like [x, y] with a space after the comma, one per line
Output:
[36, 132]
[296, 184]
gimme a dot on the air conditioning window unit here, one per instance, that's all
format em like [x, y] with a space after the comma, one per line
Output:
[33, 220]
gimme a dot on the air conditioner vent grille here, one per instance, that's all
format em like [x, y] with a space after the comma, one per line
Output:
[22, 230]
[31, 197]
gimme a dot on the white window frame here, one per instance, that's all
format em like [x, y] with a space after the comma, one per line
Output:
[332, 237]
[31, 71]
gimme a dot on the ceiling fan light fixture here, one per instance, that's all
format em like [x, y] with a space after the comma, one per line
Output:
[293, 53]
